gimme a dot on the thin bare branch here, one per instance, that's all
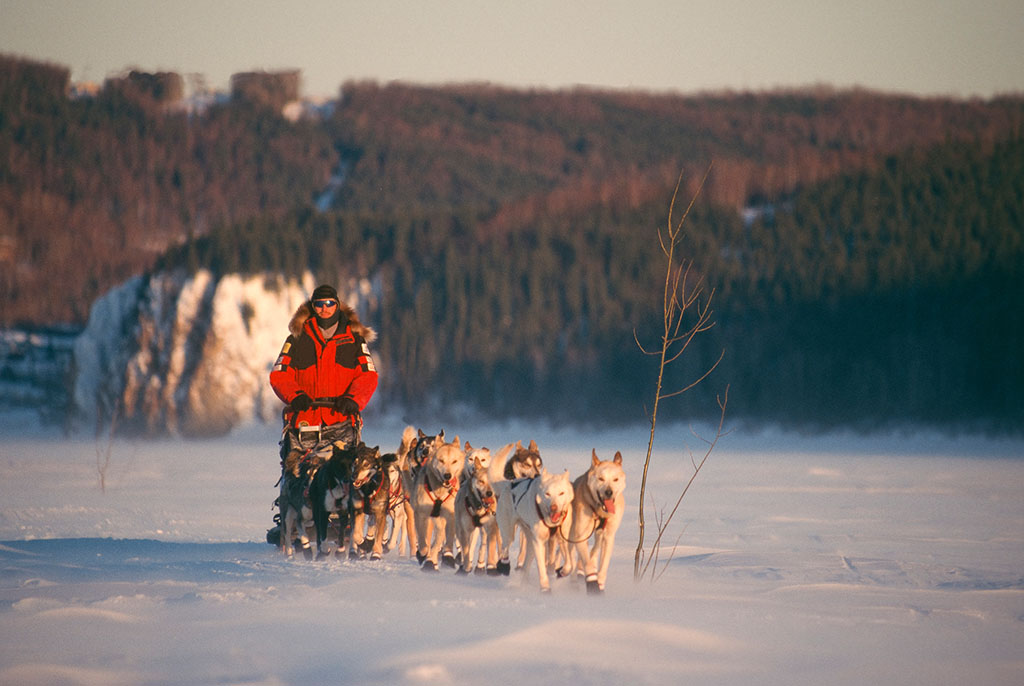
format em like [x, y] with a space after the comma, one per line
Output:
[680, 294]
[103, 452]
[722, 403]
[703, 376]
[671, 556]
[640, 345]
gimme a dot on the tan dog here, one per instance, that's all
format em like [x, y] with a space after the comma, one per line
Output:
[412, 452]
[542, 508]
[597, 509]
[433, 504]
[475, 523]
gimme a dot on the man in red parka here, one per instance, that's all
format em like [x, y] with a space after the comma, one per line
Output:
[326, 377]
[325, 360]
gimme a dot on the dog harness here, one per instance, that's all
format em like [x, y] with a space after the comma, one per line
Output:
[516, 483]
[600, 511]
[376, 482]
[602, 519]
[438, 502]
[554, 526]
[480, 510]
[396, 496]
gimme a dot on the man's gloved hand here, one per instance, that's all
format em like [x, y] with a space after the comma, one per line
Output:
[343, 404]
[301, 402]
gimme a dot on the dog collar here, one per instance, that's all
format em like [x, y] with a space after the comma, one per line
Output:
[430, 492]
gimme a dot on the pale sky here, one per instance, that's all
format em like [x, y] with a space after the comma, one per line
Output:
[928, 47]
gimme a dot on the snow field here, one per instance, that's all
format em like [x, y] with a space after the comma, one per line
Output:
[836, 559]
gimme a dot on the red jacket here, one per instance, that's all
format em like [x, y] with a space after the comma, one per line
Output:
[324, 369]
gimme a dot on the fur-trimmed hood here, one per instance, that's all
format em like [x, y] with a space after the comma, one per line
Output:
[305, 311]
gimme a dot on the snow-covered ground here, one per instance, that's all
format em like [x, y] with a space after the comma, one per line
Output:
[839, 559]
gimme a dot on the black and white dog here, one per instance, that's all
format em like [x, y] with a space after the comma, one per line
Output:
[330, 492]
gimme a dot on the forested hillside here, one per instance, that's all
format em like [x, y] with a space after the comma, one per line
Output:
[865, 249]
[878, 296]
[93, 189]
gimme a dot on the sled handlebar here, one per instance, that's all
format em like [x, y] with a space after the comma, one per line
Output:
[321, 402]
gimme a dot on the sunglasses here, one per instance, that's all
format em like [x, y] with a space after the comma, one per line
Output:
[324, 303]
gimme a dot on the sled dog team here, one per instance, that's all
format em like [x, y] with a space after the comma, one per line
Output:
[450, 504]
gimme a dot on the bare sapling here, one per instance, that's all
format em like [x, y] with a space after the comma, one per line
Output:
[686, 310]
[105, 444]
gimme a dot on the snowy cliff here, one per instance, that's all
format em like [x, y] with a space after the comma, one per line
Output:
[186, 354]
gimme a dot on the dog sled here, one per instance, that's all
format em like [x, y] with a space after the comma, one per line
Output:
[334, 489]
[304, 450]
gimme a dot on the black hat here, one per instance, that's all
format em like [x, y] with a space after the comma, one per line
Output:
[325, 292]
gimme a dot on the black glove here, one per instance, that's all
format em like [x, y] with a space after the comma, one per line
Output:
[343, 404]
[301, 402]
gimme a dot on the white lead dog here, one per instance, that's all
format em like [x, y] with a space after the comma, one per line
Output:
[542, 507]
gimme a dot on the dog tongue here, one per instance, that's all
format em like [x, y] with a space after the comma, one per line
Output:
[609, 506]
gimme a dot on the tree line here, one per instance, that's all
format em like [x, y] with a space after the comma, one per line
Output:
[882, 296]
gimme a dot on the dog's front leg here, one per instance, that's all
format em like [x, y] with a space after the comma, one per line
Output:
[536, 549]
[399, 531]
[436, 527]
[422, 548]
[380, 516]
[288, 533]
[565, 548]
[595, 560]
[506, 529]
[447, 521]
[464, 535]
[469, 544]
[561, 553]
[594, 554]
[408, 493]
[524, 547]
[306, 531]
[409, 521]
[580, 532]
[492, 542]
[346, 515]
[607, 544]
[429, 534]
[358, 526]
